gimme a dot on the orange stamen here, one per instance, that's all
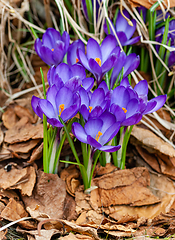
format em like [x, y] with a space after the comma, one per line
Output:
[90, 108]
[61, 108]
[124, 109]
[98, 135]
[77, 60]
[52, 49]
[98, 60]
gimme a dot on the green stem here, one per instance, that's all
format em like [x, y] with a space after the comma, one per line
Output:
[82, 168]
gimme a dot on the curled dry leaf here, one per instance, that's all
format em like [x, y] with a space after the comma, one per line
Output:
[1, 137]
[24, 147]
[72, 236]
[49, 195]
[148, 4]
[44, 234]
[27, 184]
[151, 142]
[23, 131]
[24, 112]
[9, 118]
[36, 153]
[14, 211]
[128, 186]
[70, 175]
[8, 179]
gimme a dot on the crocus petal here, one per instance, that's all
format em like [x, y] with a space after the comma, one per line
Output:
[50, 37]
[46, 55]
[97, 97]
[64, 72]
[35, 105]
[132, 40]
[51, 94]
[108, 44]
[120, 96]
[47, 108]
[78, 70]
[122, 38]
[95, 69]
[108, 120]
[109, 63]
[72, 57]
[93, 126]
[121, 22]
[64, 96]
[110, 133]
[83, 59]
[79, 132]
[91, 141]
[107, 148]
[88, 83]
[132, 107]
[93, 49]
[132, 62]
[38, 46]
[132, 120]
[54, 122]
[70, 112]
[84, 111]
[160, 101]
[129, 31]
[141, 88]
[118, 112]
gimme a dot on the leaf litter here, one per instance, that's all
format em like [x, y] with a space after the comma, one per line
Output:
[126, 203]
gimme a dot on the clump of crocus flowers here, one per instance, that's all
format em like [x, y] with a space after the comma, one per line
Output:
[103, 109]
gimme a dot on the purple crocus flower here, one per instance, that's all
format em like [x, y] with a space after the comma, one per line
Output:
[72, 57]
[60, 102]
[93, 104]
[129, 63]
[123, 30]
[99, 59]
[53, 46]
[72, 77]
[141, 89]
[125, 106]
[98, 131]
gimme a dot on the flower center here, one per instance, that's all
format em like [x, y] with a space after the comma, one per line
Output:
[52, 49]
[98, 60]
[77, 60]
[124, 110]
[61, 108]
[98, 135]
[90, 108]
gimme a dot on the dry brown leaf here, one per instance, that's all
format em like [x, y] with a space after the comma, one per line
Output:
[162, 187]
[100, 170]
[128, 186]
[24, 147]
[3, 235]
[148, 4]
[69, 208]
[5, 153]
[23, 131]
[24, 112]
[13, 211]
[49, 195]
[151, 142]
[37, 153]
[44, 234]
[72, 227]
[8, 179]
[27, 184]
[149, 158]
[70, 175]
[72, 236]
[9, 118]
[1, 137]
